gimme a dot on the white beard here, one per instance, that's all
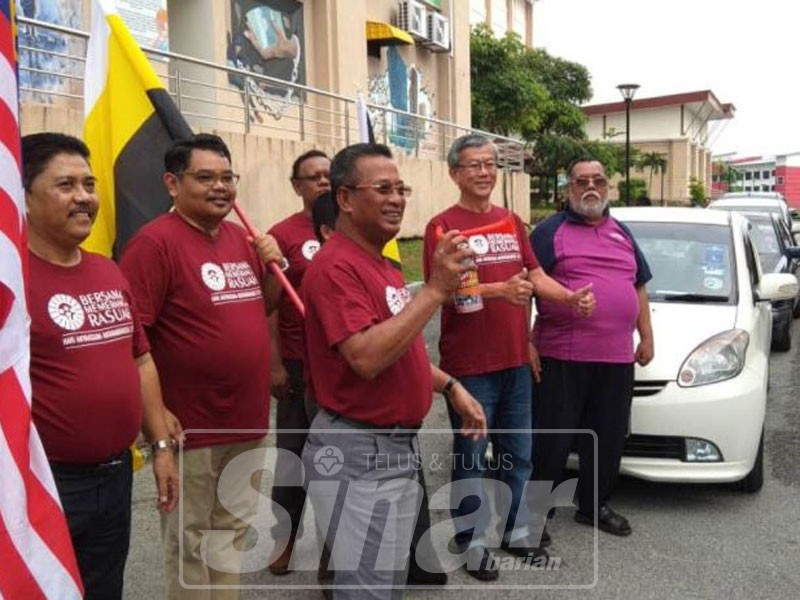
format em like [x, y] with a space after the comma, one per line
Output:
[589, 209]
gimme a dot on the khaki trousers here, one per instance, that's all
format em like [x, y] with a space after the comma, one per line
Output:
[211, 505]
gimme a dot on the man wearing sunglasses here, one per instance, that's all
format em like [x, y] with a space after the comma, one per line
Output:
[585, 371]
[488, 351]
[298, 243]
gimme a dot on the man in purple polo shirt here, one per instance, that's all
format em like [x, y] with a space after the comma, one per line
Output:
[585, 378]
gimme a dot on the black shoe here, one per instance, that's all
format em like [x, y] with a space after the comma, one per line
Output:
[607, 520]
[525, 548]
[419, 576]
[481, 564]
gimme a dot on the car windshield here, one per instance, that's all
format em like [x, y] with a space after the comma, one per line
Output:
[690, 262]
[751, 208]
[766, 240]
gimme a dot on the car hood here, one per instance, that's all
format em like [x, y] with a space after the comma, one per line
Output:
[678, 328]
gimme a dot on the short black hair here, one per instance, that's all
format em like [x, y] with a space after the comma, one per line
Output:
[177, 158]
[323, 213]
[303, 158]
[38, 149]
[343, 165]
[582, 159]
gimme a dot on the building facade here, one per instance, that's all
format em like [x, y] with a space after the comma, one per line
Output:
[678, 127]
[776, 173]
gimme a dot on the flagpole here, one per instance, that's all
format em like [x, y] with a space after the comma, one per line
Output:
[287, 287]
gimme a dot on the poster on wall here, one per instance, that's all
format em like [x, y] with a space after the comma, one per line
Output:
[44, 70]
[267, 37]
[147, 21]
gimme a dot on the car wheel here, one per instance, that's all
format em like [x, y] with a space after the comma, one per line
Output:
[783, 341]
[755, 478]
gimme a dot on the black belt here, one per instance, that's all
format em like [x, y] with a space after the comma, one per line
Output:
[397, 429]
[109, 465]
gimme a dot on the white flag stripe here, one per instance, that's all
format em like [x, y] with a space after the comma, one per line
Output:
[43, 565]
[14, 341]
[8, 86]
[96, 58]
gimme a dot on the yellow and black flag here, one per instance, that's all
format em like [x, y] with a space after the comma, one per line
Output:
[130, 122]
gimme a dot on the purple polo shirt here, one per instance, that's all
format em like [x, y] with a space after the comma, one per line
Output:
[575, 254]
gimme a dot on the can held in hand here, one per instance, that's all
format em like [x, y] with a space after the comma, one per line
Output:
[467, 297]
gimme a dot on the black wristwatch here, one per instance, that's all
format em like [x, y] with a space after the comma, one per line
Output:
[448, 387]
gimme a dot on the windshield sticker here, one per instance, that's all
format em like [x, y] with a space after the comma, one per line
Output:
[713, 283]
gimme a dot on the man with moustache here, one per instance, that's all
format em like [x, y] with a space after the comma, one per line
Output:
[204, 293]
[372, 377]
[488, 351]
[93, 380]
[298, 243]
[585, 372]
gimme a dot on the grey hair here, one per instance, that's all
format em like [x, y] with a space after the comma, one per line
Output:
[471, 140]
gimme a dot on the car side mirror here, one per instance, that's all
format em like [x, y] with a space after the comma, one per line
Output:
[776, 286]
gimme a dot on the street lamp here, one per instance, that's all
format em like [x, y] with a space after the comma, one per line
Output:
[628, 90]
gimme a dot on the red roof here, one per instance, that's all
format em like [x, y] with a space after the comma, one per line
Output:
[725, 110]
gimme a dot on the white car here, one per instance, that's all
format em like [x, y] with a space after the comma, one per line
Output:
[758, 202]
[698, 407]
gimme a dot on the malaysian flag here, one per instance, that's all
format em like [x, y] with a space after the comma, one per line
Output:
[36, 556]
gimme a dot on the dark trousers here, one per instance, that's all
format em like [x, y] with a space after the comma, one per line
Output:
[97, 504]
[582, 395]
[291, 414]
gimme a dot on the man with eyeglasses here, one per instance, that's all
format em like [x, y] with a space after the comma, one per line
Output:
[298, 243]
[372, 377]
[585, 370]
[488, 351]
[203, 292]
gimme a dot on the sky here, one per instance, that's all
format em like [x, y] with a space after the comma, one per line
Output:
[745, 52]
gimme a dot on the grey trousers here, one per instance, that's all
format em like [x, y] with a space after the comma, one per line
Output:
[363, 486]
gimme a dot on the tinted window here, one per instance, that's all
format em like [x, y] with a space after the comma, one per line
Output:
[691, 260]
[766, 240]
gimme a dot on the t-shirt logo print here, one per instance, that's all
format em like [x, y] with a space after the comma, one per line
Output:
[397, 298]
[213, 276]
[479, 244]
[66, 312]
[309, 249]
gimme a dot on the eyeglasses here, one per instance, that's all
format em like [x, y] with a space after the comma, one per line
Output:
[476, 166]
[583, 182]
[316, 177]
[384, 189]
[209, 179]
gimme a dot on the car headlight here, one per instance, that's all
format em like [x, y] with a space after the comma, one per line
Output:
[719, 358]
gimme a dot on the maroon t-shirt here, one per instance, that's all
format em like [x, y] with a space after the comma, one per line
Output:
[346, 291]
[202, 306]
[85, 336]
[496, 337]
[299, 244]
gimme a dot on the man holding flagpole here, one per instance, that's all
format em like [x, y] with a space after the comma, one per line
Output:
[498, 373]
[204, 293]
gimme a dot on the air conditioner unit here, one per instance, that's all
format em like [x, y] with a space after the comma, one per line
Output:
[438, 32]
[412, 17]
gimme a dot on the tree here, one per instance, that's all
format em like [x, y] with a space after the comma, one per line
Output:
[657, 164]
[697, 192]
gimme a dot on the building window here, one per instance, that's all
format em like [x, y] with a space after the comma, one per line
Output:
[477, 12]
[780, 180]
[765, 174]
[764, 188]
[757, 175]
[773, 172]
[748, 176]
[772, 188]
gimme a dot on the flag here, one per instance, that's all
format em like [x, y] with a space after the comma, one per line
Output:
[36, 556]
[130, 121]
[391, 251]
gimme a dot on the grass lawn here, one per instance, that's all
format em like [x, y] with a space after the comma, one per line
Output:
[411, 255]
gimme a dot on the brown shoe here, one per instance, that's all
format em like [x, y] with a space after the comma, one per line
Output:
[280, 565]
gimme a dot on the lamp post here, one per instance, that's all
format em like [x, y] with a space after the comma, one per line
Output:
[628, 90]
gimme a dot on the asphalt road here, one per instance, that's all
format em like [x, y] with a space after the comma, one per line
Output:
[689, 541]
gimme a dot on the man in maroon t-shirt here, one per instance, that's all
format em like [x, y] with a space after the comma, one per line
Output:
[203, 294]
[489, 349]
[372, 377]
[297, 241]
[93, 380]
